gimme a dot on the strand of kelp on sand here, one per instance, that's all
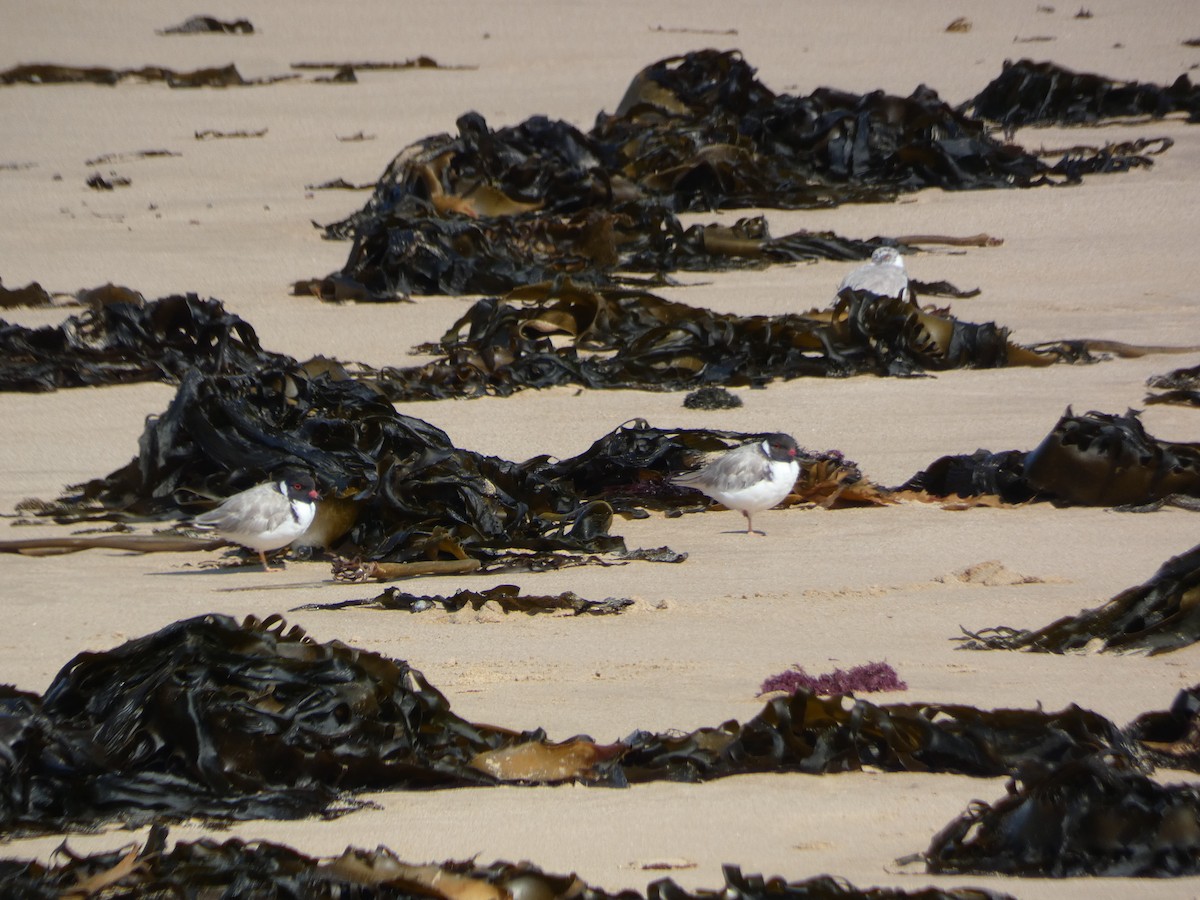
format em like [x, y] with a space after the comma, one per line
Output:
[216, 719]
[264, 868]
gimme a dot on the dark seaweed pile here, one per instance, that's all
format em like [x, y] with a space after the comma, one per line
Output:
[487, 210]
[1029, 93]
[403, 488]
[1095, 459]
[1156, 617]
[210, 718]
[537, 336]
[119, 341]
[564, 333]
[1181, 386]
[1093, 816]
[264, 869]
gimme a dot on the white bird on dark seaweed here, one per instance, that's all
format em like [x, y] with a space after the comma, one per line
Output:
[749, 478]
[267, 516]
[884, 275]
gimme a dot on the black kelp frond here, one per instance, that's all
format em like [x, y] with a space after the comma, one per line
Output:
[1092, 816]
[1031, 93]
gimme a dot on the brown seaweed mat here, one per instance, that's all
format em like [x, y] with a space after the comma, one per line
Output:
[537, 336]
[1156, 617]
[486, 210]
[1094, 459]
[208, 717]
[1029, 93]
[263, 869]
[1092, 816]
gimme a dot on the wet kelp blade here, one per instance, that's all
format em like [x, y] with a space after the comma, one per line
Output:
[1171, 738]
[208, 717]
[1032, 93]
[1159, 616]
[266, 869]
[1093, 459]
[486, 210]
[1092, 816]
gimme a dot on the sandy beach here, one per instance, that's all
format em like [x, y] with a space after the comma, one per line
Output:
[233, 219]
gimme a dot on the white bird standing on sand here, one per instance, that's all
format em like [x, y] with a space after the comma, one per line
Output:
[884, 275]
[267, 516]
[749, 478]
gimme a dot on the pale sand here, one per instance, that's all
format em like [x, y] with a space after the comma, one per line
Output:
[230, 219]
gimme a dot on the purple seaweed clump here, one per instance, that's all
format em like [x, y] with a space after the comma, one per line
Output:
[874, 676]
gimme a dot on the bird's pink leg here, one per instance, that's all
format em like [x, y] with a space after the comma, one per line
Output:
[263, 557]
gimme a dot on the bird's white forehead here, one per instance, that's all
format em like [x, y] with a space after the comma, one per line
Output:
[887, 256]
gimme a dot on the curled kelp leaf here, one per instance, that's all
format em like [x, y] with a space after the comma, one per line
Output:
[121, 339]
[1092, 816]
[486, 210]
[1029, 93]
[1094, 459]
[1107, 460]
[1181, 386]
[1161, 615]
[507, 597]
[562, 332]
[1171, 739]
[267, 869]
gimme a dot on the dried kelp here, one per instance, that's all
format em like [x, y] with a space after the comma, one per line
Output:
[210, 25]
[1092, 816]
[210, 718]
[416, 62]
[1094, 459]
[121, 339]
[506, 597]
[1158, 616]
[565, 333]
[33, 294]
[1029, 93]
[1181, 386]
[265, 869]
[487, 210]
[1171, 739]
[50, 73]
